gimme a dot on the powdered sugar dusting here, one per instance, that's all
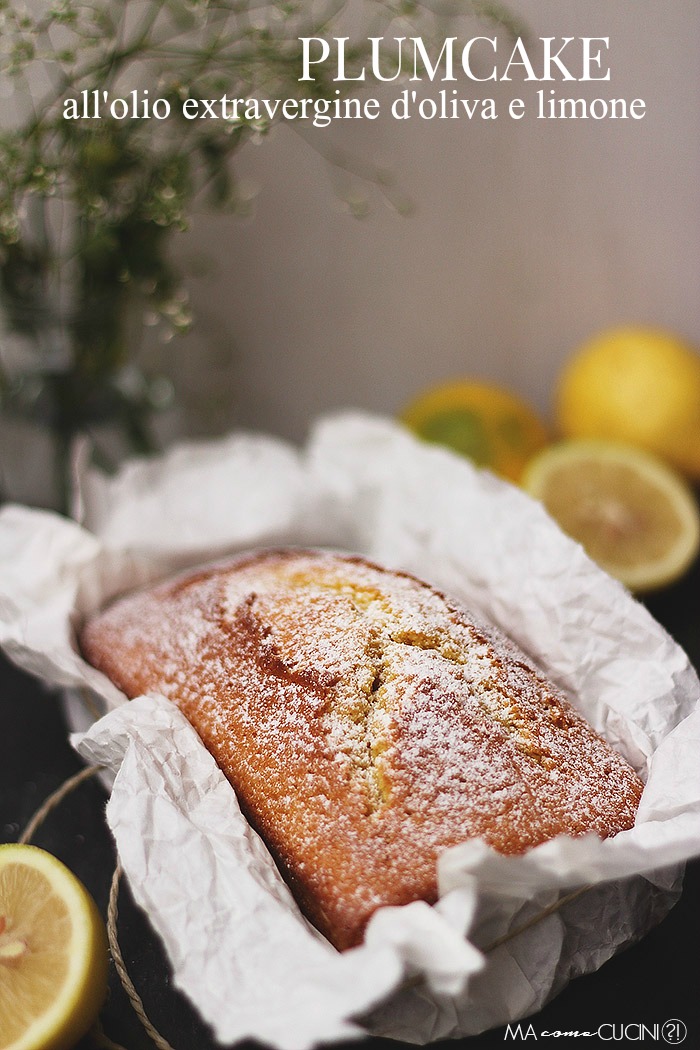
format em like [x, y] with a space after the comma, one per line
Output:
[365, 722]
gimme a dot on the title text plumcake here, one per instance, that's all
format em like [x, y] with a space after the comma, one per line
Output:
[365, 723]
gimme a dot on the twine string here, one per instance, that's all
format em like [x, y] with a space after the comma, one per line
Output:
[159, 1041]
[127, 984]
[54, 799]
[97, 1033]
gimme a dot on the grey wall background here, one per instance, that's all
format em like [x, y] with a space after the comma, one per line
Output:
[527, 237]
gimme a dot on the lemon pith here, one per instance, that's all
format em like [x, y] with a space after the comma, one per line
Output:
[632, 513]
[53, 953]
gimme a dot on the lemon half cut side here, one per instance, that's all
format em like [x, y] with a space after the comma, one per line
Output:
[634, 515]
[53, 952]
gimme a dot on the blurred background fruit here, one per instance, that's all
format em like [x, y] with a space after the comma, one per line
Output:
[634, 515]
[628, 401]
[490, 425]
[637, 385]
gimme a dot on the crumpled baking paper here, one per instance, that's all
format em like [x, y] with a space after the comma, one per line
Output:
[239, 947]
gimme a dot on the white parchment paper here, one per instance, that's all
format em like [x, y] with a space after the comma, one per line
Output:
[239, 947]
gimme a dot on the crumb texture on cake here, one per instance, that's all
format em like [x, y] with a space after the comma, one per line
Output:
[365, 721]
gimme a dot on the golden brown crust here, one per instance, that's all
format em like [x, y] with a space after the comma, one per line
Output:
[365, 722]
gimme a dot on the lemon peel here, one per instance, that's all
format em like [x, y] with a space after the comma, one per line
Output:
[633, 514]
[53, 952]
[636, 385]
[490, 425]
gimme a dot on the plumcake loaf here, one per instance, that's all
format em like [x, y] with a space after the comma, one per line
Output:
[365, 722]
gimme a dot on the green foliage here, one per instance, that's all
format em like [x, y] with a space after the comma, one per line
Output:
[87, 206]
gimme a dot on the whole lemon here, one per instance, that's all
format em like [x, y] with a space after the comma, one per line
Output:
[638, 385]
[490, 425]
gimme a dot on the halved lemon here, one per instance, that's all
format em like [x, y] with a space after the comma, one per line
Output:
[490, 425]
[634, 515]
[53, 953]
